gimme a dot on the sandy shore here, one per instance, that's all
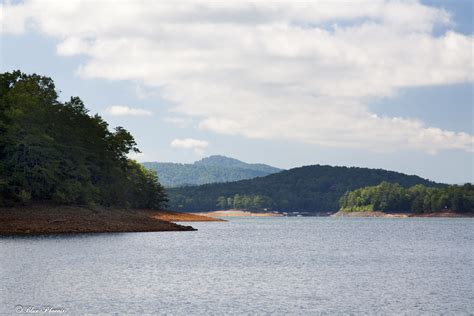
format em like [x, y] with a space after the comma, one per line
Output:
[237, 213]
[47, 219]
[171, 216]
[369, 214]
[400, 215]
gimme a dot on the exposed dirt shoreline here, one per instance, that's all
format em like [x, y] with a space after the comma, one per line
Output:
[171, 216]
[236, 213]
[400, 215]
[50, 219]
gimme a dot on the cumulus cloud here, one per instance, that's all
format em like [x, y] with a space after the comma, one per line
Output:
[265, 69]
[122, 110]
[178, 121]
[190, 143]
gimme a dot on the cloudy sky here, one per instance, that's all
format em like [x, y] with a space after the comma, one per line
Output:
[383, 84]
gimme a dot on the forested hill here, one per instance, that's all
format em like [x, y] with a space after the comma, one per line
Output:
[56, 152]
[310, 189]
[390, 197]
[226, 162]
[208, 170]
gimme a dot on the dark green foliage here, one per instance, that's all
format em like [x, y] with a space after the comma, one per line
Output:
[389, 197]
[311, 189]
[57, 152]
[208, 170]
[244, 202]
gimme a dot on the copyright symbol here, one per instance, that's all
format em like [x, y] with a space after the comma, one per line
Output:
[18, 308]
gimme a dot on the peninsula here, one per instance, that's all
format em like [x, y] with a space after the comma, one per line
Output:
[49, 219]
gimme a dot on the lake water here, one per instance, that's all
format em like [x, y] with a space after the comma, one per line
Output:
[249, 265]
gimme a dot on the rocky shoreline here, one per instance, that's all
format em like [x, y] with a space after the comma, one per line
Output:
[171, 216]
[53, 219]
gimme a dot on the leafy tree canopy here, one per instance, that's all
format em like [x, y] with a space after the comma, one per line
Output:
[390, 197]
[311, 189]
[57, 152]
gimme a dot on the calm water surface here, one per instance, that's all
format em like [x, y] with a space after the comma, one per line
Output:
[249, 265]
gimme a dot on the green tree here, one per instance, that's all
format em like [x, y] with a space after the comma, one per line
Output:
[57, 152]
[222, 202]
[418, 198]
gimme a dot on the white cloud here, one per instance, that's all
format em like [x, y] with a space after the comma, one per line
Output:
[144, 93]
[122, 110]
[178, 121]
[190, 143]
[72, 46]
[270, 70]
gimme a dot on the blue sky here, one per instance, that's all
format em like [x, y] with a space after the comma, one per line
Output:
[277, 93]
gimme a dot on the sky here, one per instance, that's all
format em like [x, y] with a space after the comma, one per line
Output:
[378, 84]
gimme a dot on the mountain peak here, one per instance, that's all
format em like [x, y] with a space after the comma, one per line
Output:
[216, 168]
[227, 162]
[219, 160]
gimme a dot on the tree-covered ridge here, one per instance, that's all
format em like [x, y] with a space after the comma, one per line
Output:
[223, 161]
[213, 169]
[389, 197]
[311, 189]
[57, 152]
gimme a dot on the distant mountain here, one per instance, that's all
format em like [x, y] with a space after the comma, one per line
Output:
[311, 189]
[212, 169]
[226, 162]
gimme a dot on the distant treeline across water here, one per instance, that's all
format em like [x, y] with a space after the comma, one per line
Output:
[418, 199]
[311, 189]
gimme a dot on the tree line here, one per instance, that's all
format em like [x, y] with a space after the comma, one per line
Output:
[56, 152]
[245, 202]
[392, 197]
[311, 189]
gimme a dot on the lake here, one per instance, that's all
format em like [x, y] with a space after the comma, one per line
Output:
[249, 265]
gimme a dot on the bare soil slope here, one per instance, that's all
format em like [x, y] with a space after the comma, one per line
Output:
[52, 219]
[171, 216]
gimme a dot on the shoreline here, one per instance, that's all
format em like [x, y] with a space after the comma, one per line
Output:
[443, 214]
[172, 216]
[236, 213]
[44, 219]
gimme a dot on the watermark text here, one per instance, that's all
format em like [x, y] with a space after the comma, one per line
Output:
[32, 309]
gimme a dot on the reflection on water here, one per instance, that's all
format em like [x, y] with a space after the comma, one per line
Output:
[249, 265]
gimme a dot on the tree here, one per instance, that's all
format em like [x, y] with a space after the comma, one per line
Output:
[222, 202]
[392, 197]
[237, 201]
[311, 189]
[57, 152]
